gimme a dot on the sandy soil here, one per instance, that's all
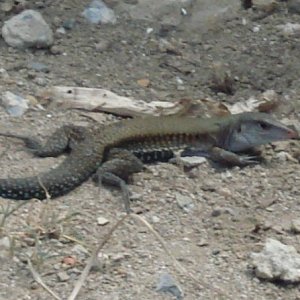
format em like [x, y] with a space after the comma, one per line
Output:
[234, 210]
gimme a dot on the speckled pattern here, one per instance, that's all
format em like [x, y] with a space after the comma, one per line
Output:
[146, 138]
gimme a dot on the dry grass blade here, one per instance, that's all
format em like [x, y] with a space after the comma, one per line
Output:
[39, 280]
[7, 212]
[90, 263]
[177, 265]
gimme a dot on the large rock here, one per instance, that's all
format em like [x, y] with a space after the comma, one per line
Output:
[277, 262]
[27, 29]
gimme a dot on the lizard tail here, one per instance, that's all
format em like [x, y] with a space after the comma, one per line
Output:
[57, 182]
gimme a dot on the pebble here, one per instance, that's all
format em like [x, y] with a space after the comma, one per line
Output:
[289, 29]
[102, 45]
[98, 13]
[39, 67]
[5, 243]
[155, 219]
[63, 276]
[184, 202]
[167, 284]
[40, 81]
[56, 50]
[69, 24]
[27, 29]
[14, 104]
[295, 226]
[60, 31]
[191, 161]
[79, 249]
[102, 221]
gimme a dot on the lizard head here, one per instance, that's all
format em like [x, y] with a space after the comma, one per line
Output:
[255, 129]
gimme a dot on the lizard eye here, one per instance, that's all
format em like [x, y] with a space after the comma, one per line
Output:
[263, 125]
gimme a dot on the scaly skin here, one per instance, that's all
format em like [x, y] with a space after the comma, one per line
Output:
[149, 138]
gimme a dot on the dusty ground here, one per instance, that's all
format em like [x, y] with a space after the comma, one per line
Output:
[214, 239]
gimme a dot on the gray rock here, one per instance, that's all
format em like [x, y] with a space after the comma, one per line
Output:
[39, 67]
[5, 243]
[69, 24]
[167, 284]
[98, 13]
[5, 247]
[184, 202]
[63, 276]
[295, 226]
[15, 105]
[293, 6]
[191, 161]
[277, 262]
[27, 29]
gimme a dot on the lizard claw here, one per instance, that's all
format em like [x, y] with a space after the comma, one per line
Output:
[248, 160]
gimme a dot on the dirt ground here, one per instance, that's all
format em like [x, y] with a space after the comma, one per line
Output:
[233, 211]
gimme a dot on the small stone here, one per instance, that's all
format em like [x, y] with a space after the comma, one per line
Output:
[3, 73]
[167, 284]
[184, 202]
[56, 50]
[69, 260]
[60, 31]
[144, 82]
[155, 219]
[224, 192]
[217, 212]
[191, 161]
[102, 221]
[5, 243]
[40, 81]
[63, 276]
[69, 24]
[98, 13]
[15, 105]
[102, 46]
[202, 243]
[295, 226]
[79, 249]
[39, 67]
[289, 29]
[27, 29]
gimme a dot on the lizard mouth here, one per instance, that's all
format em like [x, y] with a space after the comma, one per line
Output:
[292, 134]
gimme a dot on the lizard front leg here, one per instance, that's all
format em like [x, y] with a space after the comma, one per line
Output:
[121, 164]
[231, 158]
[63, 139]
[222, 156]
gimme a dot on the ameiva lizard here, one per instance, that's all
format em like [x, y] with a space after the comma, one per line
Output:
[118, 150]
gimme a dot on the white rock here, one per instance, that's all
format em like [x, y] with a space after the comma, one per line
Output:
[190, 161]
[102, 221]
[289, 29]
[98, 13]
[277, 261]
[15, 105]
[27, 29]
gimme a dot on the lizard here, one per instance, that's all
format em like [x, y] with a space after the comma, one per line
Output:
[115, 151]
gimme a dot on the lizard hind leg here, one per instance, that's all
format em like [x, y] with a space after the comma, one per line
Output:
[63, 139]
[117, 170]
